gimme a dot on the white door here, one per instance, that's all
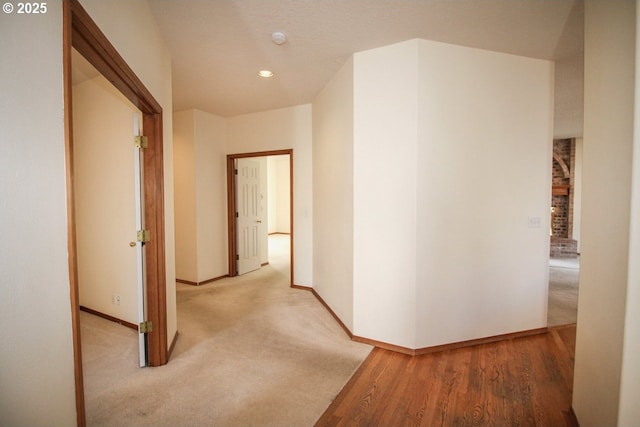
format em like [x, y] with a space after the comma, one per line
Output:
[138, 166]
[248, 220]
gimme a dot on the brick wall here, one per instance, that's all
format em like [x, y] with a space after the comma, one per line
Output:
[563, 150]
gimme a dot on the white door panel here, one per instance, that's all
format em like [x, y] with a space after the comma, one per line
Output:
[140, 251]
[248, 220]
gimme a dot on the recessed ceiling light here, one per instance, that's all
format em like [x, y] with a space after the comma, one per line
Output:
[265, 73]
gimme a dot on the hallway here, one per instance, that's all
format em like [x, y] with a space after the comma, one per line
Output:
[251, 351]
[563, 291]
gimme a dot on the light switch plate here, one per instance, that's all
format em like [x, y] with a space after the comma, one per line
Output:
[534, 222]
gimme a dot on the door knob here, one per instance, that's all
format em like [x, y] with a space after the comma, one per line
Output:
[132, 244]
[259, 222]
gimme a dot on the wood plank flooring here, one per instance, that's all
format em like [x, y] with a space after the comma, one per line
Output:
[517, 382]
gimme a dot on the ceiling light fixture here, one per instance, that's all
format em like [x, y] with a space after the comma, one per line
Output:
[279, 38]
[265, 73]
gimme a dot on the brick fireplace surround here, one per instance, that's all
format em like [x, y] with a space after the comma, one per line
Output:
[562, 243]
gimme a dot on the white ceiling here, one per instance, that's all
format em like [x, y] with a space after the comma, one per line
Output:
[217, 46]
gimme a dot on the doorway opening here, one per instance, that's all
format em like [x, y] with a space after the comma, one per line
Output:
[108, 202]
[254, 221]
[564, 233]
[81, 32]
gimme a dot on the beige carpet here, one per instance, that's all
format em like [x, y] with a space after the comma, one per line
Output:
[251, 352]
[563, 291]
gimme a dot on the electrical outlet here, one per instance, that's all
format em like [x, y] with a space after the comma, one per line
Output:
[115, 299]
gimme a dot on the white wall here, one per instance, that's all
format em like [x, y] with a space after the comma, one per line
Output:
[484, 167]
[275, 130]
[211, 195]
[201, 196]
[283, 202]
[385, 123]
[264, 208]
[185, 195]
[35, 314]
[568, 116]
[132, 30]
[629, 412]
[278, 194]
[203, 141]
[272, 191]
[333, 194]
[434, 242]
[105, 198]
[607, 270]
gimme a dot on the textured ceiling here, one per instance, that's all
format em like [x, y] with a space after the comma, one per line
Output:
[217, 46]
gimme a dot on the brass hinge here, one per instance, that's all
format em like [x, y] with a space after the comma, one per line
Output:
[237, 257]
[141, 141]
[236, 171]
[145, 327]
[144, 235]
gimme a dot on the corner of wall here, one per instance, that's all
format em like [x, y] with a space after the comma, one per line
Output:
[332, 157]
[35, 315]
[599, 375]
[385, 126]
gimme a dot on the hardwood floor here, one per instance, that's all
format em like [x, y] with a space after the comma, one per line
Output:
[517, 382]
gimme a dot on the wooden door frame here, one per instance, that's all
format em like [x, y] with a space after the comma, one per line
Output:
[231, 204]
[82, 33]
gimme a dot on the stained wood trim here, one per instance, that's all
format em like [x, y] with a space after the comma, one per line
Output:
[155, 249]
[187, 282]
[384, 345]
[90, 42]
[173, 345]
[424, 350]
[214, 279]
[109, 317]
[262, 153]
[560, 190]
[81, 420]
[204, 282]
[231, 205]
[291, 240]
[478, 341]
[326, 306]
[573, 419]
[231, 218]
[451, 346]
